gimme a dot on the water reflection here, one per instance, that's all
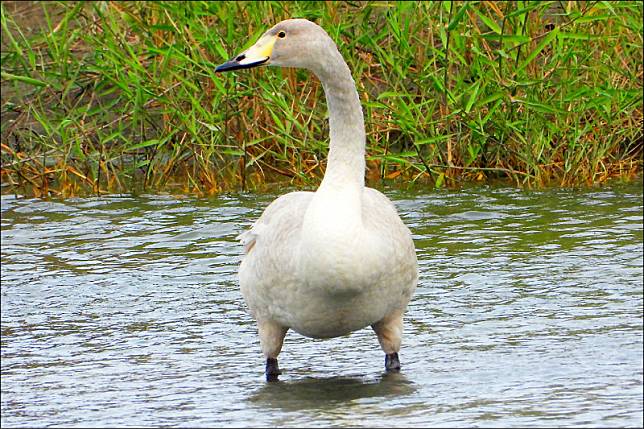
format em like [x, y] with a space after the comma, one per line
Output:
[122, 311]
[328, 392]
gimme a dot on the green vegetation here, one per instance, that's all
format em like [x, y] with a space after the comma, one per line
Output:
[122, 96]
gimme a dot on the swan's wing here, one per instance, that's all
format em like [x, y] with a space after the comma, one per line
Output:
[380, 214]
[268, 269]
[280, 218]
[381, 218]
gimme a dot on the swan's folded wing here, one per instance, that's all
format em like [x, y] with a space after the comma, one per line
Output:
[380, 216]
[287, 209]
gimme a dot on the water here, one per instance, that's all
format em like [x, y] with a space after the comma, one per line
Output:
[121, 311]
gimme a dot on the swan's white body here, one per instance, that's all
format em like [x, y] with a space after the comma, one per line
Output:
[333, 261]
[309, 270]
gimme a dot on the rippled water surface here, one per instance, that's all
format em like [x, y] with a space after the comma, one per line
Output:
[125, 311]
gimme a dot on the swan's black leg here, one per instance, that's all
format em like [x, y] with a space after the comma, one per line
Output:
[392, 364]
[272, 369]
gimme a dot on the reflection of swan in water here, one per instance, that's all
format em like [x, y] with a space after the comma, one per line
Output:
[320, 393]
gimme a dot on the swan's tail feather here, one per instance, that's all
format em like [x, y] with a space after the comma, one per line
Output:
[248, 239]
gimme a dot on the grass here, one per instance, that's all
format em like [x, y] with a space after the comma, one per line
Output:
[107, 97]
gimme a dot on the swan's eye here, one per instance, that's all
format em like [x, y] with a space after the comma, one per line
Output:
[281, 34]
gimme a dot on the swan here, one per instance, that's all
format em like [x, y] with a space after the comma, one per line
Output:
[333, 261]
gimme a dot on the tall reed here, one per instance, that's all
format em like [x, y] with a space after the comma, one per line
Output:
[122, 97]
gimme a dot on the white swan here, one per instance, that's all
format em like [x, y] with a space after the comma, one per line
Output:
[333, 261]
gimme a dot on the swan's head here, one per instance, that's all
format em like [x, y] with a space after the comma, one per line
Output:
[291, 43]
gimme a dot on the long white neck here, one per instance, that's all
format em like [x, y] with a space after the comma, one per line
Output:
[346, 160]
[335, 213]
[332, 228]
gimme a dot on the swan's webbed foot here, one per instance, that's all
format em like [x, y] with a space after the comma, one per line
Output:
[392, 363]
[272, 369]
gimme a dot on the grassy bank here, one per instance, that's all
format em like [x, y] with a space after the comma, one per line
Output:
[122, 96]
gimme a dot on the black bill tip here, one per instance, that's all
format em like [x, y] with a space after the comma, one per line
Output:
[236, 64]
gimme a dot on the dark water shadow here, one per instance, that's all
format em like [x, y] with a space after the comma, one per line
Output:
[320, 393]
